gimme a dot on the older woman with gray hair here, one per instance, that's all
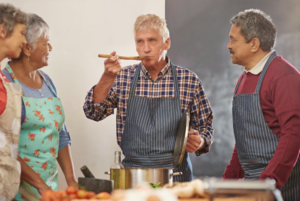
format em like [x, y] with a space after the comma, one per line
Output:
[12, 38]
[44, 138]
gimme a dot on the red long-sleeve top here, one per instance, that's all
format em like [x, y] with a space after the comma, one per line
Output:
[3, 97]
[280, 102]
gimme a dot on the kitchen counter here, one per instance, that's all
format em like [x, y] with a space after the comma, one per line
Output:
[198, 199]
[220, 199]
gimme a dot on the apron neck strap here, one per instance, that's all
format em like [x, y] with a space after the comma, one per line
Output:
[8, 68]
[134, 81]
[11, 72]
[137, 73]
[262, 74]
[237, 86]
[175, 80]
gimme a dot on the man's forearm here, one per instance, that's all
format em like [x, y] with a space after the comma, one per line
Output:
[102, 88]
[284, 159]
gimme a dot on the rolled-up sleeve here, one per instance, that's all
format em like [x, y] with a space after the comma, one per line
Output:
[201, 118]
[99, 111]
[64, 138]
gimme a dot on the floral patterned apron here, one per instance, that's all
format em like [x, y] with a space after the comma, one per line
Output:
[10, 123]
[39, 137]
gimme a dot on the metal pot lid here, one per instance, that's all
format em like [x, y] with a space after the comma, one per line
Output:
[181, 138]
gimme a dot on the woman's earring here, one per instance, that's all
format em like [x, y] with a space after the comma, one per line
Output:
[28, 58]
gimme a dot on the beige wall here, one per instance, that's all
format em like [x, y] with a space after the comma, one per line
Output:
[79, 31]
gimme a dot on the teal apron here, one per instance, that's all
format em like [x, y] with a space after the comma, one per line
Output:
[39, 137]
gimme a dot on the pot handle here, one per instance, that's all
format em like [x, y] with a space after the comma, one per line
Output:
[176, 174]
[107, 172]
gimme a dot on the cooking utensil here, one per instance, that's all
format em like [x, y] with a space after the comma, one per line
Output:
[123, 57]
[132, 177]
[91, 184]
[86, 172]
[95, 185]
[181, 138]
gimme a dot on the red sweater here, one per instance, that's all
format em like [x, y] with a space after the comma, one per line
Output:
[3, 96]
[280, 102]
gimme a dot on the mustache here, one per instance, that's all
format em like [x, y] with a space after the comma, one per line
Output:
[231, 52]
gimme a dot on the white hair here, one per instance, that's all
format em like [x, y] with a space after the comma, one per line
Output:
[36, 28]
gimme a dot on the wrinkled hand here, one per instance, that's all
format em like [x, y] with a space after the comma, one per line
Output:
[41, 189]
[73, 184]
[112, 65]
[193, 142]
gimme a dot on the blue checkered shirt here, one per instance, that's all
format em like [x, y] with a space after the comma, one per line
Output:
[191, 91]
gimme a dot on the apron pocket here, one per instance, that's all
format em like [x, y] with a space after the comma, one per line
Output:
[152, 161]
[252, 167]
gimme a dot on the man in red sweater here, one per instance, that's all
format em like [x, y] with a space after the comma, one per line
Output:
[266, 107]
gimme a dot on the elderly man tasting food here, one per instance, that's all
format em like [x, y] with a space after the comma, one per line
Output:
[150, 98]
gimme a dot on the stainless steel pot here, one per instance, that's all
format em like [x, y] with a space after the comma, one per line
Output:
[126, 178]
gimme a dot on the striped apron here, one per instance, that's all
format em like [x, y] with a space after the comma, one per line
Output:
[150, 131]
[255, 141]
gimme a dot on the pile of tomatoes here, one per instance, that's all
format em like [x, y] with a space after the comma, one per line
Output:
[72, 194]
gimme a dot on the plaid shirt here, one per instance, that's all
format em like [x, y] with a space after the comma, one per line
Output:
[191, 91]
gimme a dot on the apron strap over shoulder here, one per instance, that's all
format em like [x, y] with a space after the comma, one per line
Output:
[262, 75]
[136, 76]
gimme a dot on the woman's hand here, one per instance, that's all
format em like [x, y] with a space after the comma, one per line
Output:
[31, 177]
[42, 187]
[65, 161]
[73, 184]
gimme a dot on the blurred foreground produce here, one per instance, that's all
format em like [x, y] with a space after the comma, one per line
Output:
[144, 192]
[72, 194]
[187, 189]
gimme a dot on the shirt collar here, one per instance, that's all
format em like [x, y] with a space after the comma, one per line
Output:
[163, 71]
[260, 65]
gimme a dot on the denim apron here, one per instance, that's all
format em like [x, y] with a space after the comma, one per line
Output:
[255, 141]
[150, 131]
[39, 138]
[10, 123]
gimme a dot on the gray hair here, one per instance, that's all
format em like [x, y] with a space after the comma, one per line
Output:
[256, 24]
[152, 21]
[36, 28]
[10, 16]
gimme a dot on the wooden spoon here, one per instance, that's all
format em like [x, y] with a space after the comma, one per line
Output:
[123, 57]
